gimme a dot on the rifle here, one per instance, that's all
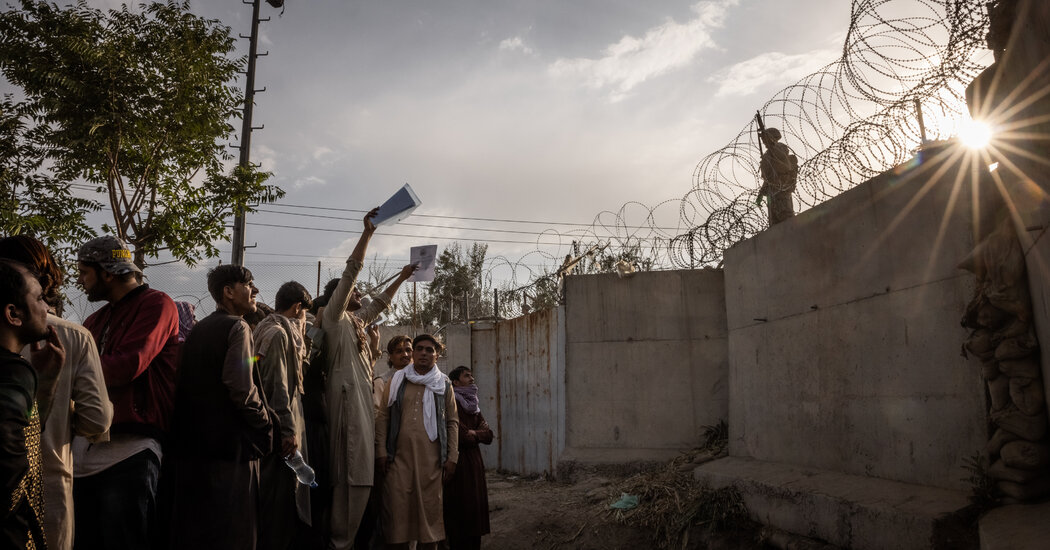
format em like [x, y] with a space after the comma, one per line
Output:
[761, 132]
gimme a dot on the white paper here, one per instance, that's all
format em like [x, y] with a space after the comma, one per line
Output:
[426, 257]
[397, 207]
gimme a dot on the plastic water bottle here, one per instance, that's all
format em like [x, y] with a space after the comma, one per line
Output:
[302, 470]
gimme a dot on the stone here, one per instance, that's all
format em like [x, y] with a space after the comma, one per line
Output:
[1027, 367]
[1017, 347]
[991, 317]
[999, 471]
[1025, 491]
[999, 438]
[980, 344]
[1030, 427]
[1027, 394]
[1015, 527]
[1026, 455]
[999, 392]
[990, 369]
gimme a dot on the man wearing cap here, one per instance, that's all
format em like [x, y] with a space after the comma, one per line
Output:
[115, 485]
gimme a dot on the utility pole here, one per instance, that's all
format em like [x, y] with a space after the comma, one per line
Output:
[246, 123]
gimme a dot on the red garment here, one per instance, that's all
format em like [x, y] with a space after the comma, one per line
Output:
[466, 495]
[137, 339]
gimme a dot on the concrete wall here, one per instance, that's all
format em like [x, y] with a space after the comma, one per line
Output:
[646, 363]
[844, 335]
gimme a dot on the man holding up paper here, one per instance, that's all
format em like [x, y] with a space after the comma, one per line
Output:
[351, 415]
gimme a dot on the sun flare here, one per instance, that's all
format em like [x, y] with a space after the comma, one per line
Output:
[975, 134]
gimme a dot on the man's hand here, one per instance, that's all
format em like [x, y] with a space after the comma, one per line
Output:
[407, 271]
[48, 354]
[289, 446]
[369, 226]
[450, 470]
[373, 341]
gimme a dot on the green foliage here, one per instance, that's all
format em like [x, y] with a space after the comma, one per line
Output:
[459, 290]
[605, 259]
[716, 436]
[546, 291]
[31, 201]
[543, 293]
[137, 103]
[983, 494]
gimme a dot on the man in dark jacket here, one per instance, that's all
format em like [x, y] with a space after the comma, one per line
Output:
[136, 332]
[222, 425]
[23, 320]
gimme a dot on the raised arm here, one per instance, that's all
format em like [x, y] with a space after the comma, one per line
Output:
[341, 297]
[406, 272]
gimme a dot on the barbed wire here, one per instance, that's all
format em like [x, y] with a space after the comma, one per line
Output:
[847, 122]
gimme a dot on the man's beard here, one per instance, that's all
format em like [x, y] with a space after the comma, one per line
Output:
[38, 335]
[95, 293]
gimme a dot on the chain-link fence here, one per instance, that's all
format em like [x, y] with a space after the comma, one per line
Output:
[190, 284]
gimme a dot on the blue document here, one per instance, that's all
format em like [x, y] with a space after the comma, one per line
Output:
[397, 207]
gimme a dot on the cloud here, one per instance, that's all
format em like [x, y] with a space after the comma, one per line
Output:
[266, 157]
[662, 49]
[308, 181]
[320, 152]
[515, 44]
[748, 76]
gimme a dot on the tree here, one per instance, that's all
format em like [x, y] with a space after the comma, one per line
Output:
[606, 258]
[458, 292]
[31, 201]
[546, 291]
[138, 104]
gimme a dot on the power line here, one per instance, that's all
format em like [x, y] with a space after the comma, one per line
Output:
[470, 218]
[402, 235]
[494, 259]
[403, 223]
[467, 218]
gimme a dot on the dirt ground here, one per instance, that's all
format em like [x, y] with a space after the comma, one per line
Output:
[537, 513]
[543, 514]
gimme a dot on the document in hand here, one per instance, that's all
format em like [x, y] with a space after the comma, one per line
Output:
[426, 257]
[397, 207]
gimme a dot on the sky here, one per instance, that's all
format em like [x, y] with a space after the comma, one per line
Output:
[542, 111]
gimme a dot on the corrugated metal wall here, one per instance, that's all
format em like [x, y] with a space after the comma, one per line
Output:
[519, 365]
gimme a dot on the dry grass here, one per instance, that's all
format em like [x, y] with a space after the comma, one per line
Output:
[672, 501]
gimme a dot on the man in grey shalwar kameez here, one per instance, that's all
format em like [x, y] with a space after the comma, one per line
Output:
[280, 348]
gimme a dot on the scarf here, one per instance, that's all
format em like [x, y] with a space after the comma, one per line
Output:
[434, 381]
[467, 398]
[270, 326]
[186, 319]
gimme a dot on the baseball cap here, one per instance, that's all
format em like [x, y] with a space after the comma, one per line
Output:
[110, 252]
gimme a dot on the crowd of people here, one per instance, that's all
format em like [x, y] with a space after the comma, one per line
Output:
[144, 428]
